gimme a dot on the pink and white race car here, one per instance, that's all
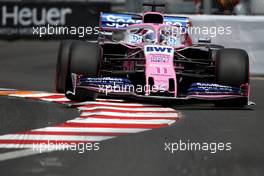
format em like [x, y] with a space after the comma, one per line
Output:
[151, 56]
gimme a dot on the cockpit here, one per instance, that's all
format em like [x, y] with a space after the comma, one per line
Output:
[172, 36]
[137, 35]
[155, 34]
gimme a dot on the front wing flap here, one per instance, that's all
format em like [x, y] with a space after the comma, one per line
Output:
[121, 87]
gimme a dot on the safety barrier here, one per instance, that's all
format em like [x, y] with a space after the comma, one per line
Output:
[247, 32]
[56, 19]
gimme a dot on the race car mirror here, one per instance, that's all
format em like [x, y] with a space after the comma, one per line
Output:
[204, 40]
[118, 35]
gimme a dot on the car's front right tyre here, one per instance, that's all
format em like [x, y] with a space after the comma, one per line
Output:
[62, 65]
[232, 69]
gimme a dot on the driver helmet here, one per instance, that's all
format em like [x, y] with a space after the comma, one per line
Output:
[149, 37]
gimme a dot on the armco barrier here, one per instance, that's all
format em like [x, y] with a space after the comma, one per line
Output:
[247, 32]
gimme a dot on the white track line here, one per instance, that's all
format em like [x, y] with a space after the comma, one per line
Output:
[33, 95]
[115, 100]
[93, 129]
[60, 146]
[110, 103]
[55, 99]
[53, 137]
[6, 89]
[101, 107]
[19, 153]
[130, 114]
[83, 108]
[34, 147]
[119, 121]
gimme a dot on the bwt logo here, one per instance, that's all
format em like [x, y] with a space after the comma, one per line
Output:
[33, 16]
[160, 49]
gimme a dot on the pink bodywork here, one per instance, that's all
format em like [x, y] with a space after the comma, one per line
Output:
[159, 62]
[160, 67]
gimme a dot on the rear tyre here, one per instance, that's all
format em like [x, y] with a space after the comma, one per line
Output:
[62, 65]
[84, 60]
[232, 69]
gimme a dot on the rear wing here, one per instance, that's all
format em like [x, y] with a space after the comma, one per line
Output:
[177, 21]
[118, 21]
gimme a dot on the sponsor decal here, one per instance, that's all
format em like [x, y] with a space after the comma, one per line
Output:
[208, 88]
[103, 81]
[176, 21]
[50, 20]
[172, 41]
[19, 15]
[135, 39]
[159, 49]
[119, 21]
[159, 59]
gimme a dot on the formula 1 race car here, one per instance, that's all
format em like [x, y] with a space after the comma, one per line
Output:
[151, 56]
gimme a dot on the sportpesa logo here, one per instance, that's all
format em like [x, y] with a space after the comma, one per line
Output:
[118, 21]
[121, 21]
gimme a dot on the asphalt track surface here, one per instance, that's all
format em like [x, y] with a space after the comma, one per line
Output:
[31, 66]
